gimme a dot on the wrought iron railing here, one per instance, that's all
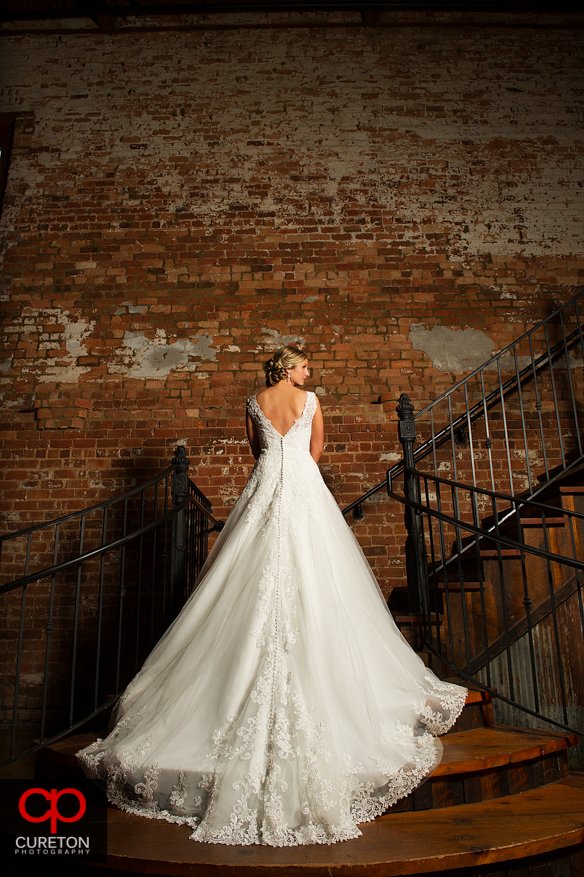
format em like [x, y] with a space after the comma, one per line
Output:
[85, 598]
[494, 576]
[200, 522]
[516, 432]
[503, 604]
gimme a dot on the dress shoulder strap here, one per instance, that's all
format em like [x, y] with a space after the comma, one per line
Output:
[310, 406]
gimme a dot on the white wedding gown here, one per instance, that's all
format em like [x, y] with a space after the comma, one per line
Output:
[282, 706]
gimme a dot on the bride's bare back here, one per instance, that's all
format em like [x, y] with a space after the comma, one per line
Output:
[282, 404]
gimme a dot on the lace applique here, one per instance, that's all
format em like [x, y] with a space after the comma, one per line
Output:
[133, 759]
[91, 758]
[179, 793]
[452, 699]
[148, 787]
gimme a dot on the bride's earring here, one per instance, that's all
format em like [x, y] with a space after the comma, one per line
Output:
[288, 377]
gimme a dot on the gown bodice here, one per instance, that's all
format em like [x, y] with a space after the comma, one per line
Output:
[296, 440]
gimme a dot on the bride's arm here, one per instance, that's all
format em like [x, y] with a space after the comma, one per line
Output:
[252, 436]
[317, 434]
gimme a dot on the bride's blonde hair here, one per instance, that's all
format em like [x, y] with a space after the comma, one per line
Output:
[280, 360]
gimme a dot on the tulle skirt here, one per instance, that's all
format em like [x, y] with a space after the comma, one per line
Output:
[282, 706]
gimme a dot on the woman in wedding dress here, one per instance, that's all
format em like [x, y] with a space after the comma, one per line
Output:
[282, 706]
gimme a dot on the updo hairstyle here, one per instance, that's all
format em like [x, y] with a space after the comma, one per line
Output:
[282, 359]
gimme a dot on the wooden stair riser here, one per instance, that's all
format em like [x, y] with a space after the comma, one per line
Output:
[474, 715]
[501, 601]
[574, 502]
[486, 785]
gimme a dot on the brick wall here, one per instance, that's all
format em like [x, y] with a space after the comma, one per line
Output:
[180, 203]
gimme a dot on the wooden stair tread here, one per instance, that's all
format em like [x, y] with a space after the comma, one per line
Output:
[464, 752]
[505, 829]
[481, 749]
[549, 522]
[455, 585]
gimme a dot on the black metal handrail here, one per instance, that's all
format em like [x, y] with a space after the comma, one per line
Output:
[490, 533]
[97, 613]
[504, 389]
[95, 552]
[93, 508]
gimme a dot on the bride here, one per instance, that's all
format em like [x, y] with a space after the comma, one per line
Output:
[282, 706]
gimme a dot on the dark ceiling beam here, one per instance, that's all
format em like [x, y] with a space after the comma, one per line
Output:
[369, 10]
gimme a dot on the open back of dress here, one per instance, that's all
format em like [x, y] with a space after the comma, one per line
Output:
[282, 706]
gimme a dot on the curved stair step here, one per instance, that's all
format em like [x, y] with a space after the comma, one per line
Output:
[485, 748]
[503, 830]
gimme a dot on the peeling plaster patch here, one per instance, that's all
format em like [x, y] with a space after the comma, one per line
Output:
[134, 309]
[312, 298]
[278, 340]
[452, 350]
[510, 295]
[14, 403]
[63, 367]
[6, 365]
[68, 371]
[157, 357]
[573, 361]
[233, 348]
[131, 309]
[390, 458]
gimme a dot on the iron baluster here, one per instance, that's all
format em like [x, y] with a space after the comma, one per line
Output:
[555, 395]
[19, 652]
[166, 584]
[153, 569]
[475, 514]
[122, 593]
[505, 430]
[571, 385]
[456, 515]
[139, 582]
[76, 622]
[49, 631]
[470, 436]
[560, 664]
[428, 627]
[445, 570]
[178, 565]
[488, 439]
[416, 555]
[525, 446]
[538, 407]
[528, 605]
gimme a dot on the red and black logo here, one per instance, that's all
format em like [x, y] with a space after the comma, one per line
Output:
[52, 811]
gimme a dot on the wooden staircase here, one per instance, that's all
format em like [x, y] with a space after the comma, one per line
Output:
[502, 803]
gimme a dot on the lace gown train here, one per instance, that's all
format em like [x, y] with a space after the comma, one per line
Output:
[282, 706]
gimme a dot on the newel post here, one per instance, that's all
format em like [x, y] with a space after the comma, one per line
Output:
[178, 559]
[416, 554]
